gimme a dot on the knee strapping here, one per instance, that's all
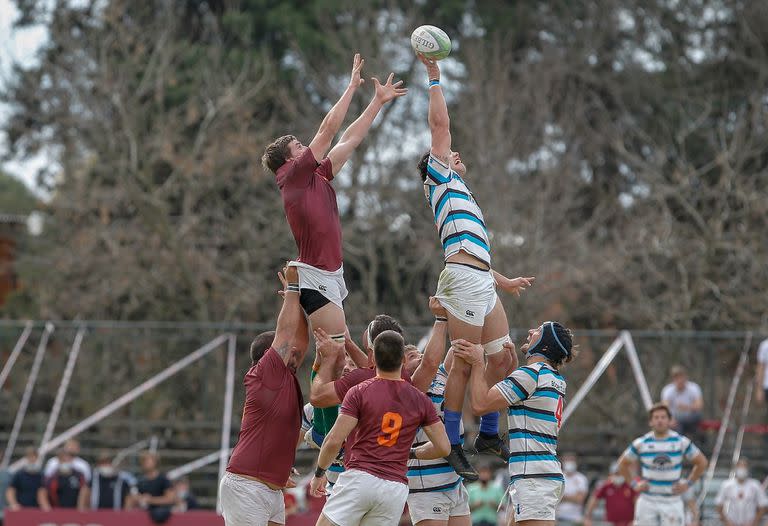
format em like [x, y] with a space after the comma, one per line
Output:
[495, 346]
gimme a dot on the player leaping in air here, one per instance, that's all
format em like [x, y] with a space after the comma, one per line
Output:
[304, 176]
[466, 287]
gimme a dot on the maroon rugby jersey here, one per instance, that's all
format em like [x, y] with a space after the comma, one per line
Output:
[389, 413]
[266, 447]
[310, 206]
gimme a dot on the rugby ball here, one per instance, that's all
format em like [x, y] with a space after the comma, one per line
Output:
[431, 41]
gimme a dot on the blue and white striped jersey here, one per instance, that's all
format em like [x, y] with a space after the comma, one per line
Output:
[433, 475]
[661, 460]
[337, 467]
[458, 218]
[536, 394]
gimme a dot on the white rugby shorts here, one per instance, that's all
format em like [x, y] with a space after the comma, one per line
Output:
[330, 284]
[246, 502]
[438, 505]
[361, 498]
[469, 294]
[535, 499]
[653, 510]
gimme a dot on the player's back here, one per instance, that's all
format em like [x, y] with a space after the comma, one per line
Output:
[389, 414]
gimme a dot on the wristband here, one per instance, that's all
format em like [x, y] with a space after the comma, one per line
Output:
[434, 82]
[441, 318]
[412, 454]
[292, 287]
[320, 472]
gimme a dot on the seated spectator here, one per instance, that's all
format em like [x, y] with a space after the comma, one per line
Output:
[484, 498]
[619, 500]
[684, 400]
[109, 487]
[570, 509]
[26, 489]
[185, 500]
[72, 447]
[154, 491]
[741, 500]
[67, 487]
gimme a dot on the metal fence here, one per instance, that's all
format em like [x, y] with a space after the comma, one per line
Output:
[186, 413]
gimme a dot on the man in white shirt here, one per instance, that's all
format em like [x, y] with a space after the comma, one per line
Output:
[72, 447]
[571, 507]
[684, 400]
[762, 372]
[741, 501]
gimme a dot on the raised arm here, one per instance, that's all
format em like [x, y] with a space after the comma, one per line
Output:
[357, 131]
[322, 392]
[332, 122]
[512, 286]
[291, 318]
[435, 349]
[439, 121]
[355, 353]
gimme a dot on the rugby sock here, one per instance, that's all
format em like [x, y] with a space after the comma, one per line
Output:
[317, 437]
[452, 422]
[489, 424]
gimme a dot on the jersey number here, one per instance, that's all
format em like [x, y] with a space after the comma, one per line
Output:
[390, 429]
[559, 412]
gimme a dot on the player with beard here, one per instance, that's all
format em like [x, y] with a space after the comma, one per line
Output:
[533, 396]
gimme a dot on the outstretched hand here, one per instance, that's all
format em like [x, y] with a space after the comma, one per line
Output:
[389, 91]
[514, 286]
[326, 347]
[472, 353]
[356, 80]
[433, 70]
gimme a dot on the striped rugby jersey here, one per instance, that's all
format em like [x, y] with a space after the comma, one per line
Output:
[458, 218]
[433, 475]
[337, 467]
[661, 460]
[536, 394]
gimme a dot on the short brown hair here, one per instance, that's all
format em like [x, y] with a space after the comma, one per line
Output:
[261, 344]
[277, 152]
[388, 351]
[659, 406]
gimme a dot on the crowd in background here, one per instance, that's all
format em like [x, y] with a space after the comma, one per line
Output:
[68, 481]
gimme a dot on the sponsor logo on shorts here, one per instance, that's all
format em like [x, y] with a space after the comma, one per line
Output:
[470, 313]
[323, 288]
[437, 509]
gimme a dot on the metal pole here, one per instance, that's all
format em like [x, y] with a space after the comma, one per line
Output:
[637, 369]
[74, 351]
[740, 434]
[189, 467]
[133, 394]
[138, 446]
[27, 395]
[725, 420]
[599, 369]
[226, 422]
[15, 353]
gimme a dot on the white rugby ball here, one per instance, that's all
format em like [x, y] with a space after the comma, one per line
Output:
[431, 41]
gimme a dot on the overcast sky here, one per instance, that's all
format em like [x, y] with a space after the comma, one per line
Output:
[16, 45]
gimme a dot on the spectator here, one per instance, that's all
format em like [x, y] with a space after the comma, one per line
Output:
[109, 487]
[484, 498]
[570, 509]
[5, 481]
[185, 500]
[67, 487]
[26, 489]
[684, 400]
[741, 500]
[72, 447]
[762, 372]
[154, 491]
[619, 500]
